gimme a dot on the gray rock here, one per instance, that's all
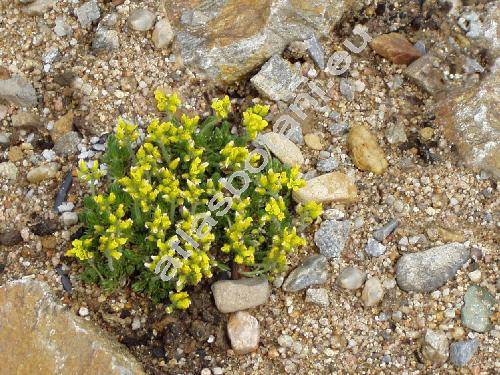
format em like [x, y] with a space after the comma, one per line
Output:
[435, 346]
[316, 52]
[242, 294]
[312, 271]
[318, 296]
[69, 218]
[374, 248]
[428, 270]
[351, 278]
[373, 292]
[18, 91]
[331, 237]
[51, 56]
[382, 233]
[67, 144]
[471, 121]
[4, 139]
[88, 13]
[141, 19]
[277, 79]
[339, 128]
[227, 40]
[163, 34]
[62, 28]
[42, 172]
[396, 134]
[327, 165]
[472, 66]
[24, 119]
[346, 89]
[477, 309]
[461, 352]
[8, 171]
[105, 40]
[426, 73]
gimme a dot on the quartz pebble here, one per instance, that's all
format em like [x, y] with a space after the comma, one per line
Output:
[69, 218]
[88, 13]
[141, 19]
[366, 153]
[243, 331]
[435, 346]
[163, 34]
[330, 187]
[284, 149]
[351, 278]
[374, 248]
[373, 292]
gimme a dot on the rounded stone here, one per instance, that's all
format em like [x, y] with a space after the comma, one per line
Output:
[373, 292]
[236, 295]
[351, 278]
[435, 346]
[243, 332]
[141, 19]
[163, 34]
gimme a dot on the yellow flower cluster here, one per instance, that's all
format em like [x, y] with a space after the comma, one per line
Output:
[222, 107]
[126, 133]
[273, 182]
[92, 174]
[253, 120]
[236, 157]
[282, 245]
[309, 211]
[275, 208]
[237, 234]
[167, 103]
[80, 249]
[179, 301]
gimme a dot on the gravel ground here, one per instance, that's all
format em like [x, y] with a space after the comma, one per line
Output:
[434, 198]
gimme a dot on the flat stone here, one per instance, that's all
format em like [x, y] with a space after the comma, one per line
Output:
[277, 79]
[351, 278]
[67, 144]
[10, 237]
[41, 173]
[383, 232]
[227, 40]
[427, 74]
[373, 292]
[88, 13]
[38, 7]
[316, 52]
[45, 332]
[318, 296]
[243, 332]
[163, 34]
[395, 48]
[435, 347]
[471, 121]
[331, 187]
[331, 237]
[478, 308]
[62, 126]
[365, 151]
[426, 271]
[284, 149]
[18, 91]
[312, 271]
[461, 352]
[26, 120]
[8, 170]
[327, 165]
[141, 19]
[374, 248]
[242, 294]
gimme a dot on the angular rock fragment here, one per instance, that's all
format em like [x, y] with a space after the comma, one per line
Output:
[426, 73]
[395, 48]
[18, 91]
[331, 187]
[312, 271]
[331, 237]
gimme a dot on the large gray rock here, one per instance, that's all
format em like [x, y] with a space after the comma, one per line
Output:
[40, 336]
[428, 270]
[477, 309]
[237, 295]
[227, 40]
[18, 91]
[331, 237]
[471, 120]
[312, 271]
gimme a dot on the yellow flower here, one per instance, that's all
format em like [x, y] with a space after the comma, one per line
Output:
[167, 103]
[92, 174]
[259, 109]
[275, 208]
[80, 249]
[222, 107]
[126, 133]
[310, 211]
[253, 123]
[179, 301]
